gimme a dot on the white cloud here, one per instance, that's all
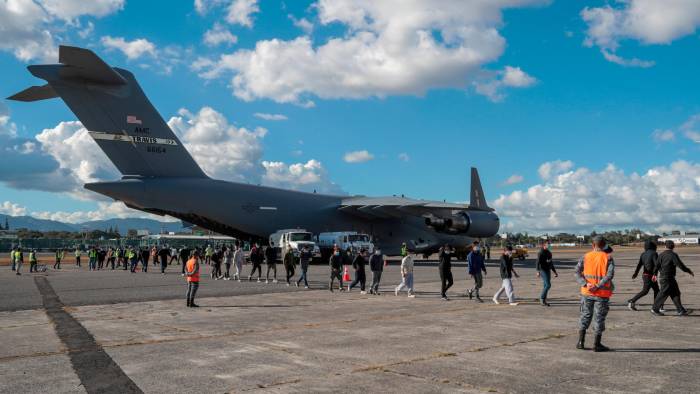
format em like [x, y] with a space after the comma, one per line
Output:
[105, 210]
[7, 127]
[12, 209]
[690, 128]
[388, 47]
[30, 29]
[648, 21]
[663, 135]
[131, 49]
[665, 197]
[241, 12]
[631, 62]
[509, 77]
[304, 24]
[219, 35]
[359, 156]
[273, 117]
[70, 9]
[221, 149]
[299, 176]
[552, 168]
[513, 179]
[404, 156]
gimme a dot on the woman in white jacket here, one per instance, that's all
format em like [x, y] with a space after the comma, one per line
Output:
[407, 275]
[238, 259]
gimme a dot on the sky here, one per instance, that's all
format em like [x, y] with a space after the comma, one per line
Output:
[579, 115]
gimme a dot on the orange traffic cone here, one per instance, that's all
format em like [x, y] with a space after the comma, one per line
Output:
[346, 274]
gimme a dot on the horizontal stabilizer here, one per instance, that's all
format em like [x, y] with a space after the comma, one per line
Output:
[34, 93]
[86, 65]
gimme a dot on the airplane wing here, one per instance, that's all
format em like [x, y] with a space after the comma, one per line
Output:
[396, 207]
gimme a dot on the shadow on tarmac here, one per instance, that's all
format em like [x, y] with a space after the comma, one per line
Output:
[658, 350]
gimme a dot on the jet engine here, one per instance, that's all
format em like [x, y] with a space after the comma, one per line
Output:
[477, 224]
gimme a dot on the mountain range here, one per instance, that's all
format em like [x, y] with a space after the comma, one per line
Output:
[31, 223]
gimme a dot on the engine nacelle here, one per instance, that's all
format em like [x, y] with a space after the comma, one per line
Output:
[477, 224]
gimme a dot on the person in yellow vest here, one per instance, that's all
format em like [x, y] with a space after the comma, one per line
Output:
[594, 272]
[59, 257]
[192, 276]
[19, 259]
[404, 250]
[32, 261]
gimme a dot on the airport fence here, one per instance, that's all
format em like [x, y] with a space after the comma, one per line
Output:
[52, 244]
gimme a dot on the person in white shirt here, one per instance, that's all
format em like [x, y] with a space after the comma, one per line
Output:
[238, 258]
[407, 275]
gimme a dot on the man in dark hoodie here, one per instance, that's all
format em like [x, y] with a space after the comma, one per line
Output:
[445, 268]
[358, 263]
[647, 261]
[376, 264]
[336, 264]
[665, 271]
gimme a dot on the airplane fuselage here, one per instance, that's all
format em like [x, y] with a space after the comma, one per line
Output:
[254, 212]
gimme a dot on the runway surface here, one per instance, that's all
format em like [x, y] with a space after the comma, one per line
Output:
[113, 331]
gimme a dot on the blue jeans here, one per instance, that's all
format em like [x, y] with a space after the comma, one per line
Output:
[92, 265]
[546, 283]
[134, 263]
[303, 277]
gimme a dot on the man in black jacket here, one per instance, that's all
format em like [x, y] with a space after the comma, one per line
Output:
[545, 267]
[445, 267]
[358, 263]
[647, 261]
[376, 264]
[271, 259]
[336, 264]
[665, 271]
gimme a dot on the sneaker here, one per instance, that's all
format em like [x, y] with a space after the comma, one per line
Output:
[469, 294]
[349, 288]
[306, 287]
[267, 281]
[363, 292]
[193, 305]
[396, 292]
[445, 299]
[662, 310]
[684, 312]
[657, 313]
[287, 284]
[631, 306]
[258, 280]
[479, 299]
[250, 278]
[274, 281]
[495, 301]
[377, 293]
[513, 303]
[297, 284]
[411, 296]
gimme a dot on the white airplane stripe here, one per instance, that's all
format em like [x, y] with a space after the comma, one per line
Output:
[137, 139]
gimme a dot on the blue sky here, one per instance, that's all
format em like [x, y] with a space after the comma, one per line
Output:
[569, 103]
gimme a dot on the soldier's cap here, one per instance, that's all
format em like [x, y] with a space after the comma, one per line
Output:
[607, 249]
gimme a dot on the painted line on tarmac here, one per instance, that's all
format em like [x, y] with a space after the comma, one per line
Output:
[97, 371]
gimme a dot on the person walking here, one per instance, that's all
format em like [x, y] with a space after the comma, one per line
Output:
[507, 272]
[358, 264]
[647, 261]
[110, 258]
[145, 256]
[238, 260]
[154, 254]
[192, 275]
[133, 258]
[271, 259]
[665, 272]
[78, 253]
[336, 264]
[184, 257]
[406, 277]
[32, 261]
[228, 260]
[216, 264]
[208, 252]
[445, 268]
[101, 257]
[256, 260]
[288, 262]
[475, 266]
[545, 268]
[92, 258]
[305, 257]
[19, 260]
[164, 255]
[595, 272]
[59, 257]
[376, 265]
[118, 255]
[12, 258]
[174, 256]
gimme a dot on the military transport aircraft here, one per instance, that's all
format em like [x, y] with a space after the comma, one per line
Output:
[159, 176]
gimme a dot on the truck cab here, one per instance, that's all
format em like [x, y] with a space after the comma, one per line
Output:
[296, 239]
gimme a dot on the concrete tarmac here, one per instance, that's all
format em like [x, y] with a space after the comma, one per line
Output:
[79, 331]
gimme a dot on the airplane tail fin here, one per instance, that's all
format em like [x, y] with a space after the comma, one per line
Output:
[477, 198]
[120, 118]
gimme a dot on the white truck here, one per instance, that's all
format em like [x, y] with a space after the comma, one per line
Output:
[344, 239]
[296, 239]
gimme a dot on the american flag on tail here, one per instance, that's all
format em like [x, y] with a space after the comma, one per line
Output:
[132, 119]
